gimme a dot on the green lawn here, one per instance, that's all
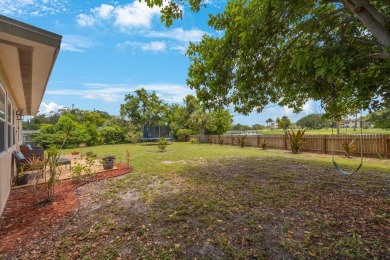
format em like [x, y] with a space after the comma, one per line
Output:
[145, 157]
[224, 202]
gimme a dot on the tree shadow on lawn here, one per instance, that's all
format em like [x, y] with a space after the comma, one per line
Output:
[254, 207]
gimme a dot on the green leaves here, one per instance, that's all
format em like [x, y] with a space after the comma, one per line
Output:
[143, 108]
[295, 139]
[287, 52]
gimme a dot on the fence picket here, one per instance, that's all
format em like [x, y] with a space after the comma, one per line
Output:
[373, 145]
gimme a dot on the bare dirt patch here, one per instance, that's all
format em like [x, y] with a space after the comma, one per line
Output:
[25, 220]
[231, 208]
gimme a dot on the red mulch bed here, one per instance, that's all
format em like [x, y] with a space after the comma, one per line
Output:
[25, 219]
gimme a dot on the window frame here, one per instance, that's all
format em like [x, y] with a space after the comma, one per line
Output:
[3, 121]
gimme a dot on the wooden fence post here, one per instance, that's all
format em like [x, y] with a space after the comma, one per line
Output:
[386, 151]
[285, 142]
[324, 144]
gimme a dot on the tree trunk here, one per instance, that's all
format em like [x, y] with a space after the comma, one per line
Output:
[201, 134]
[375, 21]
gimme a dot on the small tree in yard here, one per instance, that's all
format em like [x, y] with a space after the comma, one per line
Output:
[295, 139]
[127, 157]
[162, 144]
[53, 173]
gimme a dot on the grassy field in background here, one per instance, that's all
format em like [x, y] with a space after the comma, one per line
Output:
[329, 131]
[225, 202]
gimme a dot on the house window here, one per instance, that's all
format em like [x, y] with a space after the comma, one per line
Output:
[9, 123]
[13, 125]
[2, 119]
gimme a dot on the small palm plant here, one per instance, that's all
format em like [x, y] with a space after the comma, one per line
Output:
[295, 139]
[241, 140]
[349, 146]
[263, 144]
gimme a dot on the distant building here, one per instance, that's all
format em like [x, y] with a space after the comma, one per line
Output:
[351, 123]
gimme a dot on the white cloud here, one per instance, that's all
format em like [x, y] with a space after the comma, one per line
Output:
[136, 14]
[85, 20]
[154, 46]
[104, 11]
[157, 46]
[47, 108]
[75, 43]
[126, 17]
[181, 48]
[179, 34]
[288, 111]
[310, 107]
[113, 93]
[22, 8]
[106, 97]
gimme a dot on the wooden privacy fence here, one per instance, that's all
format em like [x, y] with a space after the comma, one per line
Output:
[371, 145]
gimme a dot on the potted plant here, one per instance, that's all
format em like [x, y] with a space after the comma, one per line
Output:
[22, 178]
[108, 162]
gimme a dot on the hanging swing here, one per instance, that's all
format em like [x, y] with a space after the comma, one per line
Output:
[338, 168]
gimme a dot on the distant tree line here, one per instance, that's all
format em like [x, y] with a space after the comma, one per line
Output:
[70, 127]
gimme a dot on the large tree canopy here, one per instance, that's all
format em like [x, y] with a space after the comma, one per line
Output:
[288, 52]
[144, 108]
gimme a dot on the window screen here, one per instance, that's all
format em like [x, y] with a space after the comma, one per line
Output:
[2, 120]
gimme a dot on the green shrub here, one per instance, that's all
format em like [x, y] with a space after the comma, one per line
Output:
[263, 144]
[77, 171]
[182, 134]
[295, 139]
[162, 144]
[193, 140]
[211, 140]
[91, 154]
[242, 140]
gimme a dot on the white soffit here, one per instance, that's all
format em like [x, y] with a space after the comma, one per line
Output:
[27, 56]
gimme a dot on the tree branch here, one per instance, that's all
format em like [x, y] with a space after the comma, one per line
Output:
[379, 56]
[314, 23]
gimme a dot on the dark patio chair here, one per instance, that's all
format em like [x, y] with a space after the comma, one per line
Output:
[26, 168]
[29, 151]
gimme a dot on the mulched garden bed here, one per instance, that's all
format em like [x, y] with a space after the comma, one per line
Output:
[25, 219]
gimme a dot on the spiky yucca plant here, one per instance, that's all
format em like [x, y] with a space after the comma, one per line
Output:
[263, 144]
[241, 140]
[295, 139]
[349, 147]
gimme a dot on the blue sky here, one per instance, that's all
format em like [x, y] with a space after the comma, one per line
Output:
[111, 48]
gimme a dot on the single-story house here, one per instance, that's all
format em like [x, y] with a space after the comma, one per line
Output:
[27, 57]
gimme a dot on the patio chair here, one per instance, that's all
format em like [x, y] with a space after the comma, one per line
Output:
[29, 151]
[26, 167]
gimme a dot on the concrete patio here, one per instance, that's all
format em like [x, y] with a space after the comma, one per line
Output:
[65, 169]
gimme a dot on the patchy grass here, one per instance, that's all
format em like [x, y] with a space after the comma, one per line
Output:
[218, 202]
